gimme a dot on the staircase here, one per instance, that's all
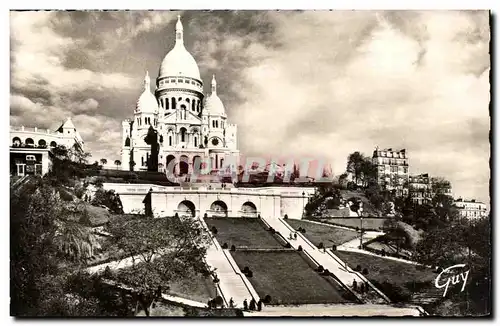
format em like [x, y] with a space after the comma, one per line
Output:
[232, 283]
[324, 258]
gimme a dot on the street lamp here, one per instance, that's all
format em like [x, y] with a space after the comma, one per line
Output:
[303, 204]
[361, 230]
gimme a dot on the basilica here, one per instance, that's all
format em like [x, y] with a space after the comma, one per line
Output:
[189, 125]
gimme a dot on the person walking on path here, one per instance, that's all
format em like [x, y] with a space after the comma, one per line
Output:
[245, 304]
[295, 235]
[259, 305]
[231, 303]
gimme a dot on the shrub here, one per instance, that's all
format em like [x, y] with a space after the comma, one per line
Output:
[326, 272]
[245, 270]
[321, 246]
[286, 216]
[320, 268]
[288, 245]
[233, 248]
[303, 231]
[272, 230]
[365, 271]
[383, 252]
[258, 216]
[225, 246]
[358, 268]
[205, 215]
[249, 274]
[107, 273]
[299, 248]
[334, 247]
[216, 279]
[267, 299]
[214, 230]
[357, 229]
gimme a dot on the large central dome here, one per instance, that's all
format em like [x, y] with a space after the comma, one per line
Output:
[179, 62]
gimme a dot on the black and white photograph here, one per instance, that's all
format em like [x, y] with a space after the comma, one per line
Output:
[250, 163]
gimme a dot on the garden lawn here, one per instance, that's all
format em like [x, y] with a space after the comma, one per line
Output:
[329, 235]
[243, 232]
[396, 279]
[369, 223]
[287, 278]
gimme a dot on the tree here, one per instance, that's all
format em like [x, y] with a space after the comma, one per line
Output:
[355, 165]
[166, 247]
[362, 168]
[118, 163]
[104, 161]
[40, 241]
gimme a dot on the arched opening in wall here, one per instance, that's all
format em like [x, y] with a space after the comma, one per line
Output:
[170, 164]
[183, 134]
[42, 143]
[30, 142]
[193, 106]
[218, 209]
[248, 209]
[173, 103]
[166, 103]
[16, 141]
[53, 144]
[186, 208]
[221, 163]
[195, 141]
[127, 142]
[197, 165]
[184, 165]
[170, 140]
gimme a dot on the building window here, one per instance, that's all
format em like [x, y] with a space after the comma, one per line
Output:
[169, 140]
[195, 142]
[173, 103]
[183, 134]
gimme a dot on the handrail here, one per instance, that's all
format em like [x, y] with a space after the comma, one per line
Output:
[361, 276]
[246, 282]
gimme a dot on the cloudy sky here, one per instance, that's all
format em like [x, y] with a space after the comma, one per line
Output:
[300, 83]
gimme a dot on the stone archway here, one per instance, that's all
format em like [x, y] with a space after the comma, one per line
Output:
[184, 165]
[218, 209]
[170, 166]
[248, 209]
[186, 208]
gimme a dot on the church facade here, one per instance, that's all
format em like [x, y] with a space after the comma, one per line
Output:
[190, 126]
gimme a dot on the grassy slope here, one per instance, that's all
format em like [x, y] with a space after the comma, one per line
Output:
[389, 274]
[287, 278]
[249, 233]
[329, 235]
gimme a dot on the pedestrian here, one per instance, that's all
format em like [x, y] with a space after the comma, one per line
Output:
[245, 304]
[362, 288]
[355, 285]
[231, 303]
[291, 236]
[367, 287]
[252, 304]
[295, 235]
[259, 305]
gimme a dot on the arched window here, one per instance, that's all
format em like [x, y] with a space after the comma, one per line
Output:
[173, 103]
[183, 134]
[53, 144]
[42, 143]
[166, 104]
[193, 105]
[187, 100]
[169, 140]
[195, 141]
[30, 141]
[16, 141]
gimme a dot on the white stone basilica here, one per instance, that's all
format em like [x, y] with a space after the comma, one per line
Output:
[190, 126]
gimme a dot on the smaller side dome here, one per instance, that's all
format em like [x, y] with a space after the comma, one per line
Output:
[213, 103]
[147, 101]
